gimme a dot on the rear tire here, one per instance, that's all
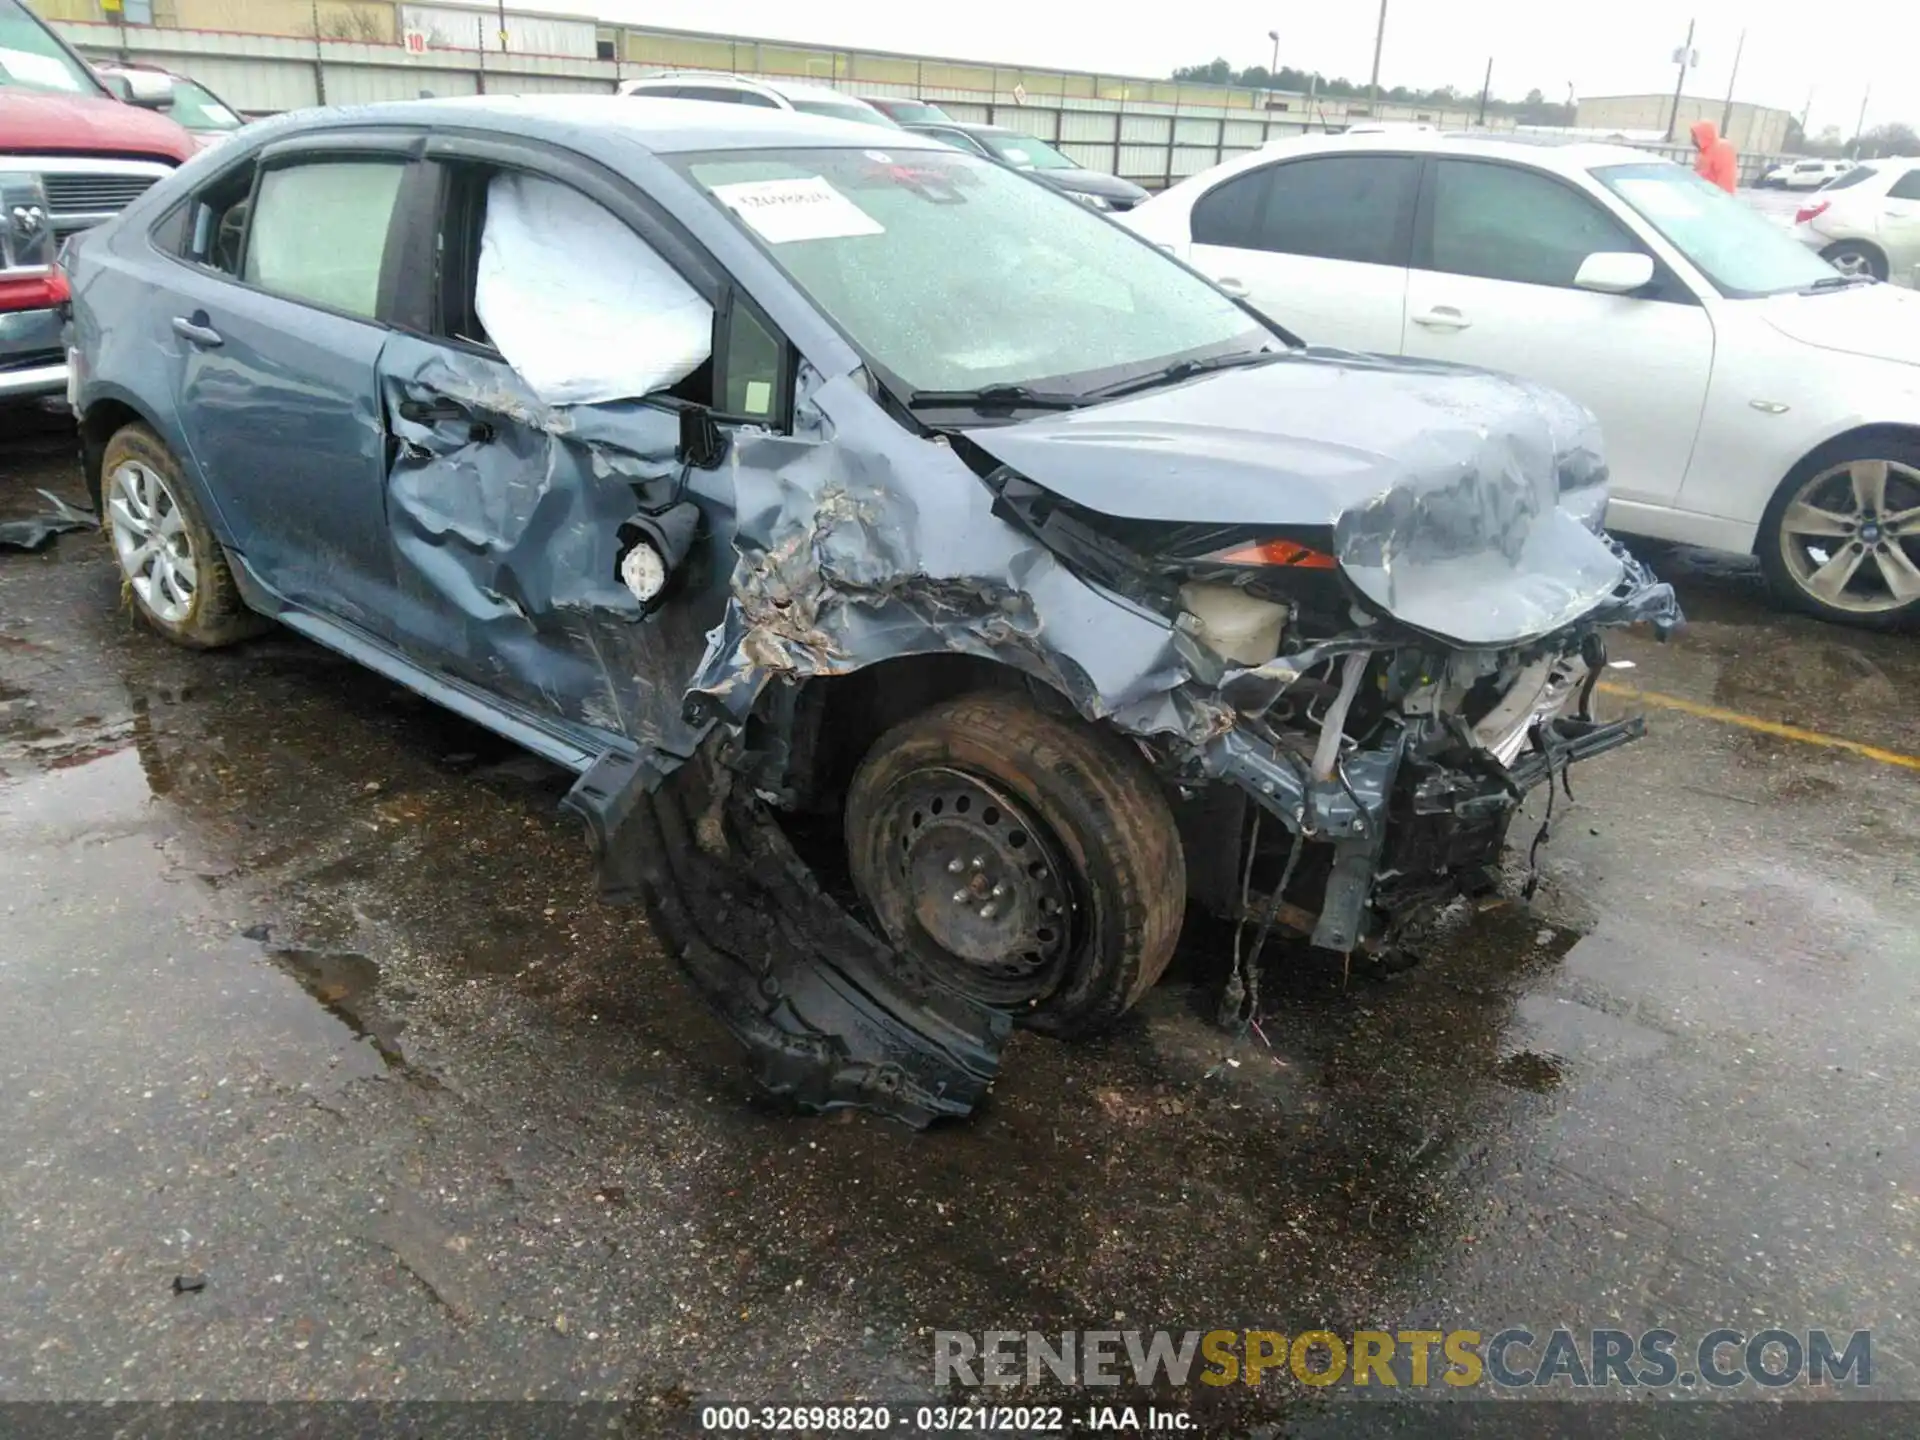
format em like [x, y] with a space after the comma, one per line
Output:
[1841, 537]
[1026, 860]
[1856, 257]
[172, 568]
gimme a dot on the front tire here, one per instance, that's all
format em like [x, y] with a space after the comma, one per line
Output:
[1027, 861]
[1841, 538]
[171, 566]
[1856, 257]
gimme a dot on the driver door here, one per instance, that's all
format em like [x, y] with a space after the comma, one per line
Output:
[1496, 248]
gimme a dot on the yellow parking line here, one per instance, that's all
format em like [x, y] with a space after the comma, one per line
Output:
[1765, 727]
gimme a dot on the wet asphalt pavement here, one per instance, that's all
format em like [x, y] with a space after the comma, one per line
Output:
[304, 990]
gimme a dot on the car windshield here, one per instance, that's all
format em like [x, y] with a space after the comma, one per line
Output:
[1023, 152]
[1741, 251]
[843, 110]
[952, 273]
[198, 108]
[31, 59]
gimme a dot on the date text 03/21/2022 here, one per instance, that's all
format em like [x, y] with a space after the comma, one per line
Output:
[942, 1419]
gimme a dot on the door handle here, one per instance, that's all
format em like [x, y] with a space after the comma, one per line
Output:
[1233, 287]
[196, 331]
[1442, 317]
[445, 412]
[430, 412]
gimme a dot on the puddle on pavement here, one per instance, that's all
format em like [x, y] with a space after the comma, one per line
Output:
[344, 983]
[1530, 1070]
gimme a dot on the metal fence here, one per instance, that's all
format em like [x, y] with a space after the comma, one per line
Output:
[1151, 142]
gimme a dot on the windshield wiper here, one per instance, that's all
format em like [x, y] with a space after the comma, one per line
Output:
[1836, 282]
[992, 397]
[1184, 370]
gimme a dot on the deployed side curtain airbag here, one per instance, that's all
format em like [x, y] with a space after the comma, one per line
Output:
[577, 303]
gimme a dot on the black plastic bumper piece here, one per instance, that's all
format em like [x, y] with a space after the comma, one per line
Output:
[829, 1015]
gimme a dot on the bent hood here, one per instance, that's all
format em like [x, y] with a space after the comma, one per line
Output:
[39, 123]
[1441, 484]
[1881, 322]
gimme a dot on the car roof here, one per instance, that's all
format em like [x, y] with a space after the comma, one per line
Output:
[1553, 152]
[663, 127]
[788, 88]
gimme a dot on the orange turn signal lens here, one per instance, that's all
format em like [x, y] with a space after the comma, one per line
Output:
[1288, 553]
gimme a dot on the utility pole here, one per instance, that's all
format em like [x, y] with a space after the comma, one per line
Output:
[1860, 125]
[1726, 115]
[503, 24]
[1685, 58]
[1486, 89]
[1379, 40]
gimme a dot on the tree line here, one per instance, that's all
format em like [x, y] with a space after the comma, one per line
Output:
[1875, 143]
[1536, 109]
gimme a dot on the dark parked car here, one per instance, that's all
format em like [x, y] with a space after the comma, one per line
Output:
[1023, 152]
[908, 112]
[775, 481]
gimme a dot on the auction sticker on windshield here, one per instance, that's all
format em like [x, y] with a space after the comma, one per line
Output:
[780, 211]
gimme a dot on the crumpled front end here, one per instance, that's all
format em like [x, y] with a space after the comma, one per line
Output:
[1385, 753]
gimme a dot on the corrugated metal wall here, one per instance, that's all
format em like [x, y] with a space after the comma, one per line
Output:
[1147, 130]
[457, 27]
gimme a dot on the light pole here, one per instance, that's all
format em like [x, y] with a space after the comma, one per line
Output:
[1726, 114]
[1379, 40]
[1685, 57]
[1860, 125]
[1273, 70]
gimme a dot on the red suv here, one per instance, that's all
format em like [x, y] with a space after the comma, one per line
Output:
[72, 153]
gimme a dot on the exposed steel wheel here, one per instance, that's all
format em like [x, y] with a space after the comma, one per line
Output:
[1025, 860]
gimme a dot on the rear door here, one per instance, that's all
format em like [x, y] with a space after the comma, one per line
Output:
[1496, 250]
[1319, 244]
[277, 315]
[1900, 228]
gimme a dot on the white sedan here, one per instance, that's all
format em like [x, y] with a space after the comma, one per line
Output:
[1752, 398]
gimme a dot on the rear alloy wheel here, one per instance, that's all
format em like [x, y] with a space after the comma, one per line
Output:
[1027, 861]
[1842, 537]
[174, 569]
[1851, 257]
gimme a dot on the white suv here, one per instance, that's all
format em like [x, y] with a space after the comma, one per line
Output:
[1804, 174]
[739, 90]
[1752, 398]
[1868, 221]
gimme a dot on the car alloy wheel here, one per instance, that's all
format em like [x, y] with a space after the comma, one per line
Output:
[1850, 536]
[1856, 260]
[151, 541]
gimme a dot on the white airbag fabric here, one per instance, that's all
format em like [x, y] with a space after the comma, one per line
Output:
[577, 303]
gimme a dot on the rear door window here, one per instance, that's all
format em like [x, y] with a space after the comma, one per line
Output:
[1230, 213]
[1859, 175]
[1342, 207]
[1907, 187]
[319, 232]
[1504, 223]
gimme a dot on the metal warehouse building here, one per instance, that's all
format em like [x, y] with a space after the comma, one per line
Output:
[271, 55]
[1753, 129]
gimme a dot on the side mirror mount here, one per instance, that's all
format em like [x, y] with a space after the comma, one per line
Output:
[148, 89]
[1615, 272]
[702, 443]
[118, 87]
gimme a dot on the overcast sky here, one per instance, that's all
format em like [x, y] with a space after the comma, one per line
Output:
[1610, 47]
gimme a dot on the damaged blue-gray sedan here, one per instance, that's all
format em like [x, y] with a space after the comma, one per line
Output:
[788, 480]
